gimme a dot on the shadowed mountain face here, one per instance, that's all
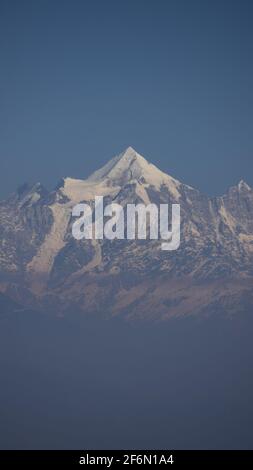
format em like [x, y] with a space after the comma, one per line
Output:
[43, 266]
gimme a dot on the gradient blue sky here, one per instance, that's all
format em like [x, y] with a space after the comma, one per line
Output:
[82, 80]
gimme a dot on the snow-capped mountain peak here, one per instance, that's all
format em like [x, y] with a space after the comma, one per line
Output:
[130, 166]
[118, 165]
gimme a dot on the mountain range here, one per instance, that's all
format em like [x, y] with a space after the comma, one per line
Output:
[42, 266]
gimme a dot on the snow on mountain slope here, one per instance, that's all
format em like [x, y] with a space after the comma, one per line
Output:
[127, 167]
[54, 241]
[84, 190]
[131, 166]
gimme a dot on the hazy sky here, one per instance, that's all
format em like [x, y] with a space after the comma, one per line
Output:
[81, 80]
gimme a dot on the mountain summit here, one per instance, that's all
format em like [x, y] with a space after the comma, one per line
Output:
[131, 166]
[41, 264]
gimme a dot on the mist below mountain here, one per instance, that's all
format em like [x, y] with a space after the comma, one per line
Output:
[87, 383]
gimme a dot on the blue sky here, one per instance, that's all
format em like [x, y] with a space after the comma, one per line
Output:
[82, 80]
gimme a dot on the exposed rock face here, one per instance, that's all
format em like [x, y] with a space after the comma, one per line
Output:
[42, 264]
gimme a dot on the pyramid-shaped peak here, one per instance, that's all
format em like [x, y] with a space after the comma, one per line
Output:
[129, 155]
[130, 166]
[129, 151]
[127, 161]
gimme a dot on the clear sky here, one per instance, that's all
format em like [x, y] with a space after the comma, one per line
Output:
[81, 80]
